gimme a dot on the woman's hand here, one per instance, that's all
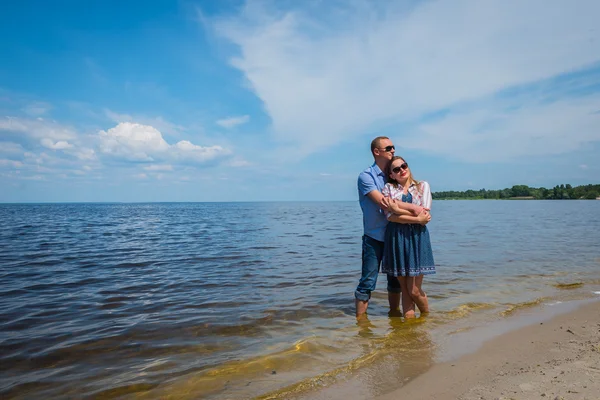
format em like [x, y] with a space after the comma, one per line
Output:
[424, 217]
[418, 210]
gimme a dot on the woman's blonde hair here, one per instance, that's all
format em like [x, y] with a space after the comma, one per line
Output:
[409, 181]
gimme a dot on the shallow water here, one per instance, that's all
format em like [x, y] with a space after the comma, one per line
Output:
[241, 300]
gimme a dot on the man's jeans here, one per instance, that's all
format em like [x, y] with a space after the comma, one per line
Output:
[372, 253]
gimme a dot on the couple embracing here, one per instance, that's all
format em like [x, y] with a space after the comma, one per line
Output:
[395, 213]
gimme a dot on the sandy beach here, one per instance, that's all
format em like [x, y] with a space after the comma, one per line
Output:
[555, 359]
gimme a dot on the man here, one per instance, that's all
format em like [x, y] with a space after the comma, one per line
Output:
[373, 205]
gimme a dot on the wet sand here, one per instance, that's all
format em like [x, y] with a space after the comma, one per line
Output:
[555, 359]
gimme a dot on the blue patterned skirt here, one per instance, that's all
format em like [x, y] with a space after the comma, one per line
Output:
[407, 250]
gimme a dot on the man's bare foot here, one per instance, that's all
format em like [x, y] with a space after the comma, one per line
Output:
[409, 314]
[361, 308]
[362, 318]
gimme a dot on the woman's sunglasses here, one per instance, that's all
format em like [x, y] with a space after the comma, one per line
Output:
[397, 169]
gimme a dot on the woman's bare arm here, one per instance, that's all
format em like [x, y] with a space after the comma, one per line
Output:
[402, 208]
[394, 206]
[422, 218]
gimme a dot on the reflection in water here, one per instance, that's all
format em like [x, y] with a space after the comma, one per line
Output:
[410, 351]
[365, 327]
[393, 351]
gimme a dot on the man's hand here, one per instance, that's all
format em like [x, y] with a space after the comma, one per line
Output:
[385, 203]
[424, 217]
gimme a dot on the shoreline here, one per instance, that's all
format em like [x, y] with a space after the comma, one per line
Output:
[558, 358]
[414, 350]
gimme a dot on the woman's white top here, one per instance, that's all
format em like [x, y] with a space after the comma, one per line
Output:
[420, 197]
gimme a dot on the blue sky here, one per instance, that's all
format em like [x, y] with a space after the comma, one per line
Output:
[278, 100]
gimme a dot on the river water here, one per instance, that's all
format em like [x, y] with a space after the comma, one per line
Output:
[255, 300]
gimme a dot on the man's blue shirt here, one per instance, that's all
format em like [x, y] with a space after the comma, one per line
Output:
[374, 219]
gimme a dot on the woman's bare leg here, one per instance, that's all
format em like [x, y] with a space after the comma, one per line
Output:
[415, 292]
[422, 295]
[408, 305]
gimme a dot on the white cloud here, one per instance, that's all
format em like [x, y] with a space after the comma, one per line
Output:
[132, 141]
[232, 122]
[84, 153]
[34, 178]
[116, 117]
[37, 135]
[10, 163]
[185, 150]
[499, 133]
[38, 128]
[238, 162]
[46, 133]
[583, 166]
[164, 167]
[11, 148]
[40, 147]
[60, 145]
[327, 75]
[37, 108]
[157, 122]
[136, 142]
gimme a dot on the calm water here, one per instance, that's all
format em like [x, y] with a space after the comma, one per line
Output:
[242, 300]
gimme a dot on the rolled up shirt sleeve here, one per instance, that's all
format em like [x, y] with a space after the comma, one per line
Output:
[426, 195]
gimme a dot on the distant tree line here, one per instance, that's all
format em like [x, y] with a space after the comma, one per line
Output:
[557, 193]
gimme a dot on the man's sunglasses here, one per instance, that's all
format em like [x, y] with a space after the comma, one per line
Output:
[397, 169]
[387, 148]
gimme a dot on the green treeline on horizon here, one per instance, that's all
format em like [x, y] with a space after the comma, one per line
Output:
[562, 192]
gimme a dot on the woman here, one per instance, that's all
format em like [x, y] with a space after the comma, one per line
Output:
[407, 251]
